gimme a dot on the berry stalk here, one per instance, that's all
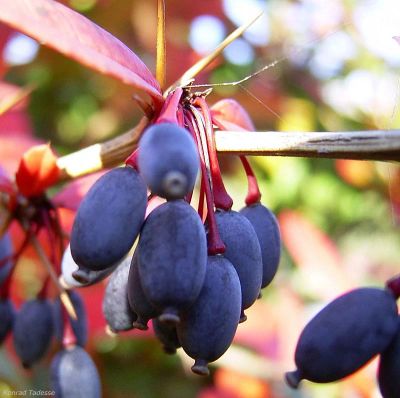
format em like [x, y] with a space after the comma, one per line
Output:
[215, 244]
[222, 200]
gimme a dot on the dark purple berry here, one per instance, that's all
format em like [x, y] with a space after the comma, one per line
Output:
[389, 368]
[7, 317]
[345, 335]
[206, 331]
[243, 251]
[79, 325]
[116, 309]
[172, 256]
[109, 219]
[6, 251]
[267, 229]
[138, 301]
[33, 330]
[168, 160]
[78, 276]
[167, 335]
[74, 374]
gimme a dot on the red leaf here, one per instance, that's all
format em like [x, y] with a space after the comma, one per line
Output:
[229, 110]
[73, 35]
[5, 33]
[71, 196]
[37, 171]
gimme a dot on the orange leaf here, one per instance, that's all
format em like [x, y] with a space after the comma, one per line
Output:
[37, 171]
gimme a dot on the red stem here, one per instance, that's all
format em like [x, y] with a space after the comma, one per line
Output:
[133, 159]
[253, 191]
[169, 110]
[222, 200]
[43, 293]
[393, 285]
[5, 287]
[215, 244]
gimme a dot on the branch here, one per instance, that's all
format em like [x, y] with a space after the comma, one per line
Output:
[381, 145]
[362, 145]
[100, 156]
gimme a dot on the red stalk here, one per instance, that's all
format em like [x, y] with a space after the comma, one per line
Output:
[222, 200]
[6, 286]
[393, 285]
[253, 190]
[132, 159]
[43, 293]
[169, 110]
[200, 208]
[215, 244]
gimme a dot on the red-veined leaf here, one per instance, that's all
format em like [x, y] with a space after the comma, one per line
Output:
[73, 35]
[37, 171]
[229, 110]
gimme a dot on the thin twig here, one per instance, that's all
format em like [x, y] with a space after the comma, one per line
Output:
[46, 262]
[20, 94]
[161, 44]
[204, 62]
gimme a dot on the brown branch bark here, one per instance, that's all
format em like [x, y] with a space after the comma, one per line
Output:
[383, 145]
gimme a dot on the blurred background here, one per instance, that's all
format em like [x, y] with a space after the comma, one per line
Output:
[338, 69]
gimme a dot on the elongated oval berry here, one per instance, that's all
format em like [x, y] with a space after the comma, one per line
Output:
[267, 229]
[243, 251]
[7, 316]
[345, 335]
[389, 368]
[167, 335]
[116, 309]
[138, 301]
[168, 160]
[33, 330]
[74, 374]
[109, 219]
[75, 276]
[79, 325]
[6, 251]
[172, 257]
[206, 331]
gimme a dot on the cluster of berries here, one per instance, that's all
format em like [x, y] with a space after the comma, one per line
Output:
[193, 273]
[34, 325]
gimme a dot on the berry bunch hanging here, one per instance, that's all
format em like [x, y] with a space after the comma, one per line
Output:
[192, 272]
